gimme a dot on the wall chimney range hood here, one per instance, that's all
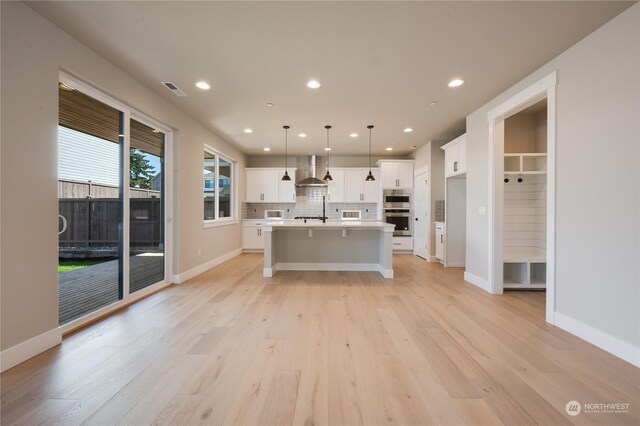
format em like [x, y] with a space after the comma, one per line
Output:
[311, 180]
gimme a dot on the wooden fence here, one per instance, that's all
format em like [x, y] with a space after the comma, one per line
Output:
[68, 188]
[94, 222]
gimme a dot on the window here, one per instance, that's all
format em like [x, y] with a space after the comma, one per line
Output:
[218, 188]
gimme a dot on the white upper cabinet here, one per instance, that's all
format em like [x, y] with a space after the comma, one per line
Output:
[287, 188]
[263, 186]
[335, 190]
[396, 174]
[455, 156]
[357, 189]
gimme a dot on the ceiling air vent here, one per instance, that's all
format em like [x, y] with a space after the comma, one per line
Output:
[175, 89]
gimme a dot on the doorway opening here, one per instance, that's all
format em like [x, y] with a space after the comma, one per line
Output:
[522, 227]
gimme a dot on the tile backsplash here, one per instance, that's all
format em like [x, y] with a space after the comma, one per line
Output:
[438, 215]
[308, 203]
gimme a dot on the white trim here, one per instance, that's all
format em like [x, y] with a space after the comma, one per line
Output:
[213, 223]
[543, 89]
[551, 205]
[310, 266]
[28, 349]
[454, 265]
[433, 259]
[180, 278]
[477, 281]
[523, 99]
[607, 342]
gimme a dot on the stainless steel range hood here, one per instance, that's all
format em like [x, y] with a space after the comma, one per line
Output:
[311, 180]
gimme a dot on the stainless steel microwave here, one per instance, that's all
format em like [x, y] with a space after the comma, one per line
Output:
[396, 199]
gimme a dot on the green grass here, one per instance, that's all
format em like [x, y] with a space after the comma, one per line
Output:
[66, 265]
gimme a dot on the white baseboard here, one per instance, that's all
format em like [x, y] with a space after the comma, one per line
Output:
[304, 266]
[30, 348]
[180, 278]
[477, 281]
[454, 265]
[611, 344]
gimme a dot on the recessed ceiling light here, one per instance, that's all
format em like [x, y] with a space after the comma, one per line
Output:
[302, 135]
[269, 104]
[247, 130]
[313, 84]
[408, 130]
[354, 135]
[389, 149]
[433, 103]
[266, 149]
[203, 85]
[456, 82]
[327, 149]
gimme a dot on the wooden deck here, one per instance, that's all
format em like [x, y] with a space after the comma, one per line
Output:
[84, 290]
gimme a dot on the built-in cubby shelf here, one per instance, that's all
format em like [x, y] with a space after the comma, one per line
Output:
[525, 275]
[525, 163]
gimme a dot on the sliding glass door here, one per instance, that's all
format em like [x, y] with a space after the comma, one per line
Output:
[90, 197]
[146, 200]
[112, 196]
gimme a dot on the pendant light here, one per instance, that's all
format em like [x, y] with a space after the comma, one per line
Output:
[327, 177]
[286, 176]
[370, 177]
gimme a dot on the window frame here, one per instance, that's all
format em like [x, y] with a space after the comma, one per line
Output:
[233, 205]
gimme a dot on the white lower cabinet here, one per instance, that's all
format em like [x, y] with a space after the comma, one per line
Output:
[252, 238]
[403, 244]
[440, 241]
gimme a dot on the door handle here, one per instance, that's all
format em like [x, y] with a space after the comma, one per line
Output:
[416, 219]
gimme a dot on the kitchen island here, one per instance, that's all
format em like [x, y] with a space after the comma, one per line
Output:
[331, 246]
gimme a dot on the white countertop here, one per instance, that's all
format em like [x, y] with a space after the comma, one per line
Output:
[330, 224]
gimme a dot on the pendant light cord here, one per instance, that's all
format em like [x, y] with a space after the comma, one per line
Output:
[286, 150]
[370, 127]
[328, 150]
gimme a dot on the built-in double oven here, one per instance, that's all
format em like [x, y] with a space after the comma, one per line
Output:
[396, 209]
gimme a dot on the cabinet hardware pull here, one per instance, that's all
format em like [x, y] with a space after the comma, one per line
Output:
[442, 238]
[455, 166]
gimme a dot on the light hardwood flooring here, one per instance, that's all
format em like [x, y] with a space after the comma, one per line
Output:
[322, 348]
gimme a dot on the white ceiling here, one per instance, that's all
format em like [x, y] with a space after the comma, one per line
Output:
[379, 63]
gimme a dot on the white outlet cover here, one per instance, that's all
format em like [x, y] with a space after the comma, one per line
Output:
[482, 211]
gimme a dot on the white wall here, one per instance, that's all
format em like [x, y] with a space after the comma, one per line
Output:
[598, 180]
[33, 53]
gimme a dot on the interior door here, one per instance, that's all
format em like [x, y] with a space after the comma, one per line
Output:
[421, 216]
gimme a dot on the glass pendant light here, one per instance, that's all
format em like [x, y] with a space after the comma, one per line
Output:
[370, 177]
[327, 177]
[286, 176]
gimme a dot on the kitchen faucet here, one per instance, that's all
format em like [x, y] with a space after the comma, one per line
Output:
[324, 215]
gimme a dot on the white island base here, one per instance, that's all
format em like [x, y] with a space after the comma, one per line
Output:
[332, 246]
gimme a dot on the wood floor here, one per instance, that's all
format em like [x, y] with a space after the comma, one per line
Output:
[322, 348]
